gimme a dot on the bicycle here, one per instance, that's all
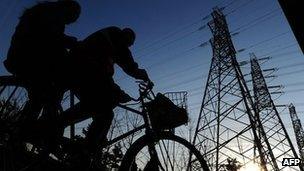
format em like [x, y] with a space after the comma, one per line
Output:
[157, 149]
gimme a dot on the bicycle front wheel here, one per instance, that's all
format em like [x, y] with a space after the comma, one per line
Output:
[169, 153]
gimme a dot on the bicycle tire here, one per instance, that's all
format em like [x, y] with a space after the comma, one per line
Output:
[137, 146]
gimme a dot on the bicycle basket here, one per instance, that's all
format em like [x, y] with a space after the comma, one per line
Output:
[164, 114]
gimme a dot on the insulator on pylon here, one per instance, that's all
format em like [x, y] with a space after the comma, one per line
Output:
[281, 105]
[241, 50]
[265, 58]
[204, 44]
[278, 86]
[277, 92]
[206, 17]
[271, 69]
[202, 27]
[235, 34]
[271, 76]
[242, 63]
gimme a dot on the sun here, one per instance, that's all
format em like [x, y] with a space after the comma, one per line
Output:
[250, 167]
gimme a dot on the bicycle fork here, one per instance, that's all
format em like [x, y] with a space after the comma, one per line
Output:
[154, 163]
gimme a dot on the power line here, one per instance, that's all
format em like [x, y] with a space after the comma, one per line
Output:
[176, 56]
[277, 56]
[278, 46]
[259, 22]
[167, 44]
[168, 59]
[251, 46]
[181, 71]
[293, 72]
[293, 91]
[193, 92]
[264, 41]
[291, 65]
[256, 20]
[204, 64]
[201, 28]
[196, 78]
[229, 4]
[283, 48]
[182, 37]
[239, 7]
[294, 84]
[267, 40]
[190, 80]
[170, 34]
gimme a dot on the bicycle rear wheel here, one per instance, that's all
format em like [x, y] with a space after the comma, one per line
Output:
[172, 153]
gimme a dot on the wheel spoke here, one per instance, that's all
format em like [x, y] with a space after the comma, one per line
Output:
[162, 154]
[167, 152]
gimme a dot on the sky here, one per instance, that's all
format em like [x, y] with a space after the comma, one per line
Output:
[169, 33]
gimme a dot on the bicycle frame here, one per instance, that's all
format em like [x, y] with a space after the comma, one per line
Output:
[147, 126]
[69, 117]
[139, 128]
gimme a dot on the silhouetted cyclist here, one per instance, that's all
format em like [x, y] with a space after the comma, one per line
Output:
[96, 56]
[38, 53]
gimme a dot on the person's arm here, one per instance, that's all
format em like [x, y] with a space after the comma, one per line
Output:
[125, 60]
[120, 95]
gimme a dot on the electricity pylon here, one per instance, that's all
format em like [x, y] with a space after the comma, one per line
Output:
[226, 127]
[298, 129]
[278, 142]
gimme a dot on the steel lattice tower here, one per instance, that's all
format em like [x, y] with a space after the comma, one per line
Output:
[226, 125]
[298, 129]
[276, 138]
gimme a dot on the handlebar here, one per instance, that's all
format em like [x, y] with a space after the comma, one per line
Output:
[144, 88]
[145, 85]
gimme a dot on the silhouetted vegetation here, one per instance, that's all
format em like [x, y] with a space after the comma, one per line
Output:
[232, 165]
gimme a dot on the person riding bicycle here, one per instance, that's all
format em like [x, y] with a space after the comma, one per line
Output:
[38, 53]
[96, 56]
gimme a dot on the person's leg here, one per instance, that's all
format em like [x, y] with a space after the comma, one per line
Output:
[32, 108]
[29, 116]
[41, 111]
[98, 130]
[35, 89]
[97, 99]
[50, 120]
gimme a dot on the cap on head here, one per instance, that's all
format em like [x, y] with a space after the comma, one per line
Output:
[71, 10]
[129, 35]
